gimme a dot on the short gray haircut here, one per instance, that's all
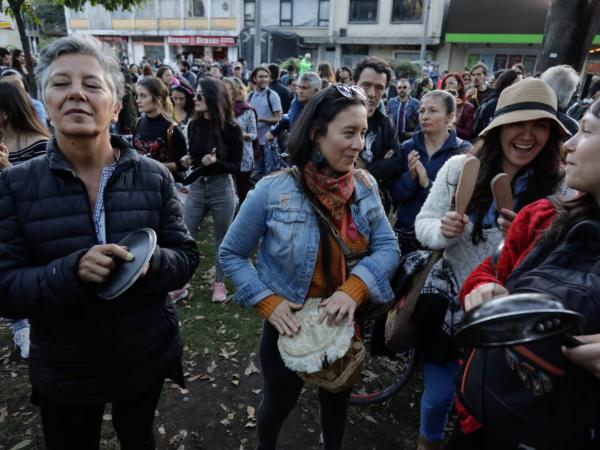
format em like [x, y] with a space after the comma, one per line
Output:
[82, 44]
[312, 78]
[563, 80]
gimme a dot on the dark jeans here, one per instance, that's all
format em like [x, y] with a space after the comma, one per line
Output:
[242, 182]
[281, 391]
[77, 427]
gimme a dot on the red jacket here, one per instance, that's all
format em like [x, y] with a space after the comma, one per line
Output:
[522, 235]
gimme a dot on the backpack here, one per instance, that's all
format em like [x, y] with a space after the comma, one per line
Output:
[530, 396]
[269, 92]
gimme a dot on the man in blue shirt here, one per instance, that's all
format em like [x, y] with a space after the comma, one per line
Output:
[404, 111]
[309, 85]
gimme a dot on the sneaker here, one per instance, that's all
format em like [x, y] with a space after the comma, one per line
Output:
[178, 294]
[21, 339]
[219, 293]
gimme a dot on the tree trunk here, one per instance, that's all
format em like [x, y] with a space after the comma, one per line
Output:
[570, 29]
[15, 6]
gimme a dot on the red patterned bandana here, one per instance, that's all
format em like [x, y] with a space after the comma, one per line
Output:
[333, 193]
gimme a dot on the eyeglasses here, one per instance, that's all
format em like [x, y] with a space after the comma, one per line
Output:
[348, 91]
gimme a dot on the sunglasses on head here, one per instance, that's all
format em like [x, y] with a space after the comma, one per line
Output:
[348, 91]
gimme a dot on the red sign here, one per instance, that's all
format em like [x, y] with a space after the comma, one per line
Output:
[205, 41]
[112, 39]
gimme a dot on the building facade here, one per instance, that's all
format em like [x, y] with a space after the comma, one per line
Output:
[160, 29]
[344, 31]
[500, 34]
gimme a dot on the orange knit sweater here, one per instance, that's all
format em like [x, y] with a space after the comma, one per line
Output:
[353, 286]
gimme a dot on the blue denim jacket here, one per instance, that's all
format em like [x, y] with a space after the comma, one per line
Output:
[279, 217]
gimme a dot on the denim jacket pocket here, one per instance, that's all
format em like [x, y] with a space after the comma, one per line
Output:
[287, 225]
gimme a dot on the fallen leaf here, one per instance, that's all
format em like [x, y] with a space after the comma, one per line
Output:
[194, 378]
[180, 436]
[235, 382]
[251, 369]
[107, 417]
[225, 422]
[161, 430]
[23, 444]
[250, 425]
[256, 391]
[211, 368]
[251, 412]
[369, 418]
[3, 414]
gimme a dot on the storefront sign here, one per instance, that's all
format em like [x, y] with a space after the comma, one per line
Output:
[5, 25]
[205, 41]
[113, 39]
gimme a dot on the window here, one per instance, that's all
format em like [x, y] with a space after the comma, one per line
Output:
[169, 9]
[285, 13]
[249, 11]
[407, 10]
[363, 11]
[146, 11]
[196, 8]
[324, 13]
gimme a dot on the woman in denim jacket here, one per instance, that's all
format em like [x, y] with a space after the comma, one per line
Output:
[298, 258]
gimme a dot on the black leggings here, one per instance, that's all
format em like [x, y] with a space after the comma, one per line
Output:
[77, 427]
[281, 391]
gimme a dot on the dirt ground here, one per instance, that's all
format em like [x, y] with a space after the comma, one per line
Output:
[217, 410]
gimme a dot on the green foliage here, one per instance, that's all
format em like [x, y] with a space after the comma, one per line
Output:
[291, 60]
[110, 5]
[407, 69]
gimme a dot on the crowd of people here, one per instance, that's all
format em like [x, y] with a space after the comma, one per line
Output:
[320, 184]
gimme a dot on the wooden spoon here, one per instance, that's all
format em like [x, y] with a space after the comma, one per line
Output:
[502, 191]
[466, 184]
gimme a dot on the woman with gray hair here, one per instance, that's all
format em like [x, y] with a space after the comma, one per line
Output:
[60, 216]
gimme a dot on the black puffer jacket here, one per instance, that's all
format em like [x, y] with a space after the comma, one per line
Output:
[85, 349]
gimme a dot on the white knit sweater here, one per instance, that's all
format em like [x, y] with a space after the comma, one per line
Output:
[461, 254]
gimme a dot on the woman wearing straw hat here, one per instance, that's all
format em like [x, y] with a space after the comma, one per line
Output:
[523, 141]
[300, 258]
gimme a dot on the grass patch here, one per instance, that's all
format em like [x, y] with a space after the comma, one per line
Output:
[208, 327]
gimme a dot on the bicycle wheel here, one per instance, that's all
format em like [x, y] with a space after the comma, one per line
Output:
[383, 375]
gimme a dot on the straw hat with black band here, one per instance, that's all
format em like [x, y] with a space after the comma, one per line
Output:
[529, 99]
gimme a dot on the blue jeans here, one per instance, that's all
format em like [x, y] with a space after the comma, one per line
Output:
[215, 194]
[270, 161]
[438, 398]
